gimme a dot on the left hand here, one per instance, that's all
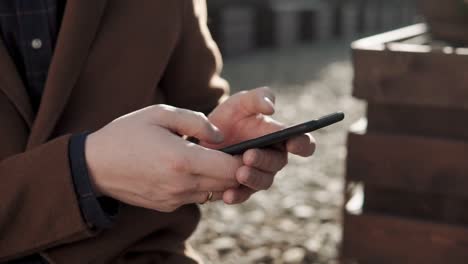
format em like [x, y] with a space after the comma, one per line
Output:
[244, 116]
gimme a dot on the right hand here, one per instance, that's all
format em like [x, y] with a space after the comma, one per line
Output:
[141, 160]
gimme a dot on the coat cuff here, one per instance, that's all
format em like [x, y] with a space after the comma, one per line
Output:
[98, 212]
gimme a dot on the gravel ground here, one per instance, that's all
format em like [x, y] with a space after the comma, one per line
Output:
[298, 219]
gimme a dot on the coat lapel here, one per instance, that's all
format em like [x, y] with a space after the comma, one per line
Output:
[78, 30]
[13, 87]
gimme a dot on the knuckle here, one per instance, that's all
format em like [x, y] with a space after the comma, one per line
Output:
[231, 184]
[232, 169]
[244, 176]
[251, 179]
[251, 157]
[201, 116]
[161, 111]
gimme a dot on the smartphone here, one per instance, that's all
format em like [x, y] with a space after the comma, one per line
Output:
[283, 135]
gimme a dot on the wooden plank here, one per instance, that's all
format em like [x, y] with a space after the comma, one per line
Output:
[428, 79]
[417, 120]
[372, 238]
[409, 74]
[409, 163]
[416, 205]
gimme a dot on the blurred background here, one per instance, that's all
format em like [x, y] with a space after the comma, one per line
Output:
[301, 49]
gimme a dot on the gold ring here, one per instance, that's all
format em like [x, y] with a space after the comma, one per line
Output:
[208, 198]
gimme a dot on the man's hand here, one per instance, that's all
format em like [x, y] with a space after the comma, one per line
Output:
[245, 116]
[140, 159]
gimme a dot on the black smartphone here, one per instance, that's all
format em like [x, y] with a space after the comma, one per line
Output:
[283, 135]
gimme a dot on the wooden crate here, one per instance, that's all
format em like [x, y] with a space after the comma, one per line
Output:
[412, 158]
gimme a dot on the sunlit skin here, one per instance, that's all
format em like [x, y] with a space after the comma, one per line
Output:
[140, 158]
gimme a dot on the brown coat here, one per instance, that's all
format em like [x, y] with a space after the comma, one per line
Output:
[111, 58]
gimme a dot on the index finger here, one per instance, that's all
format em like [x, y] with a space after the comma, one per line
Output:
[214, 164]
[303, 145]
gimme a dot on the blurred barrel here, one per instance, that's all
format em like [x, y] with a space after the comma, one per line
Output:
[286, 25]
[238, 31]
[244, 25]
[350, 13]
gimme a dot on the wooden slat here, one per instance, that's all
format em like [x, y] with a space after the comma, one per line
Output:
[432, 79]
[409, 163]
[428, 206]
[377, 42]
[417, 76]
[418, 121]
[371, 238]
[448, 19]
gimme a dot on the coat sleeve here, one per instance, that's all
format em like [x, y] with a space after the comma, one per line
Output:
[192, 79]
[38, 205]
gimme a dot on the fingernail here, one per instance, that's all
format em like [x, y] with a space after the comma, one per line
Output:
[269, 102]
[218, 135]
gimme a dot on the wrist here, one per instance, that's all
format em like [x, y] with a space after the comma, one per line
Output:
[91, 157]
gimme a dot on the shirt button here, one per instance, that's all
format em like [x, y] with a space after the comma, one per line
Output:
[36, 43]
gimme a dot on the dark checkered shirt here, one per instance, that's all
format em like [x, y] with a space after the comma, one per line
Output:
[29, 30]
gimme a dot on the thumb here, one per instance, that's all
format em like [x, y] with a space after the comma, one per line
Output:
[188, 123]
